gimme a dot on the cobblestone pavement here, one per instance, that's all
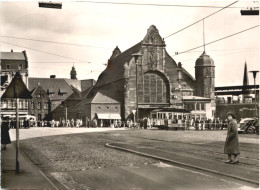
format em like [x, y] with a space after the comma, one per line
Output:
[84, 151]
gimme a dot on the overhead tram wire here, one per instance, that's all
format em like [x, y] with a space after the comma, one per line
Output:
[151, 4]
[201, 20]
[45, 52]
[63, 43]
[218, 40]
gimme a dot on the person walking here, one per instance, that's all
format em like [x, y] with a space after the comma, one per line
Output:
[232, 145]
[5, 137]
[72, 122]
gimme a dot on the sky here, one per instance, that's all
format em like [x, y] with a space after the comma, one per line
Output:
[100, 27]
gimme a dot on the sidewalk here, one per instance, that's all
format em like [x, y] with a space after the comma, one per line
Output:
[30, 177]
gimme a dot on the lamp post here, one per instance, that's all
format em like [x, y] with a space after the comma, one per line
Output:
[254, 75]
[136, 56]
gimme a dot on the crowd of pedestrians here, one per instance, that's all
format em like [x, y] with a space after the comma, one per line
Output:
[205, 124]
[26, 123]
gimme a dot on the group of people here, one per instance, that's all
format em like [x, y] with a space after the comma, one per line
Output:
[206, 124]
[67, 123]
[26, 123]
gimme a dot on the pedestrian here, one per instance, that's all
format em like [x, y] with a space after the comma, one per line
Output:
[145, 123]
[72, 122]
[202, 121]
[5, 137]
[63, 123]
[68, 123]
[232, 144]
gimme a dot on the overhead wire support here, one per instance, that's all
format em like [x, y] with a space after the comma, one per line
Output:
[218, 40]
[200, 20]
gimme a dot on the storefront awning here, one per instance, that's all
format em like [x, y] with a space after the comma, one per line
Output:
[108, 116]
[115, 116]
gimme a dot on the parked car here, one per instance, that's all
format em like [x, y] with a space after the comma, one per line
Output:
[248, 125]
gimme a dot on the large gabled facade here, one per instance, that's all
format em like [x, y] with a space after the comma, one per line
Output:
[157, 81]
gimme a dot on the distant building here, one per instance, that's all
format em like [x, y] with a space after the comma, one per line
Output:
[161, 83]
[11, 62]
[238, 99]
[58, 91]
[40, 104]
[16, 90]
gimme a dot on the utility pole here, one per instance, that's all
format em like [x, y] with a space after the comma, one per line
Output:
[254, 75]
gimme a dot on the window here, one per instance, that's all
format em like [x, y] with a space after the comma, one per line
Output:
[13, 104]
[151, 89]
[107, 107]
[46, 105]
[197, 106]
[4, 104]
[39, 117]
[20, 104]
[32, 105]
[20, 67]
[99, 107]
[8, 66]
[203, 106]
[116, 107]
[25, 104]
[39, 105]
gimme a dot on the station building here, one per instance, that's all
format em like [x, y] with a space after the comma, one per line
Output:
[146, 78]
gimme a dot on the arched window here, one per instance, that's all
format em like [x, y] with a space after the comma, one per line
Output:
[152, 89]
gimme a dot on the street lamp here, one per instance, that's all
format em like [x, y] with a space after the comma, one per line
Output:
[254, 75]
[136, 56]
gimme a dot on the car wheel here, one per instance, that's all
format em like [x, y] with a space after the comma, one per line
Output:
[250, 130]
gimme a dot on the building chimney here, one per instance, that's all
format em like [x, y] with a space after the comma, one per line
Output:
[53, 76]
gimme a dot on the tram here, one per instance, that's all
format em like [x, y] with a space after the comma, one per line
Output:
[171, 117]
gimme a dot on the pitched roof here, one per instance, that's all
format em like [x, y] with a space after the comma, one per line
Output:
[13, 56]
[101, 96]
[115, 66]
[17, 89]
[56, 85]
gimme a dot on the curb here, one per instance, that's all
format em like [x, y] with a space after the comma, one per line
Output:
[182, 164]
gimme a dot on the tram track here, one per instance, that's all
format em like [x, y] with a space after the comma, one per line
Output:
[182, 164]
[186, 148]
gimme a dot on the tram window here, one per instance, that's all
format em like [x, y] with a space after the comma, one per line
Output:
[179, 116]
[203, 106]
[170, 115]
[184, 117]
[197, 106]
[159, 116]
[164, 115]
